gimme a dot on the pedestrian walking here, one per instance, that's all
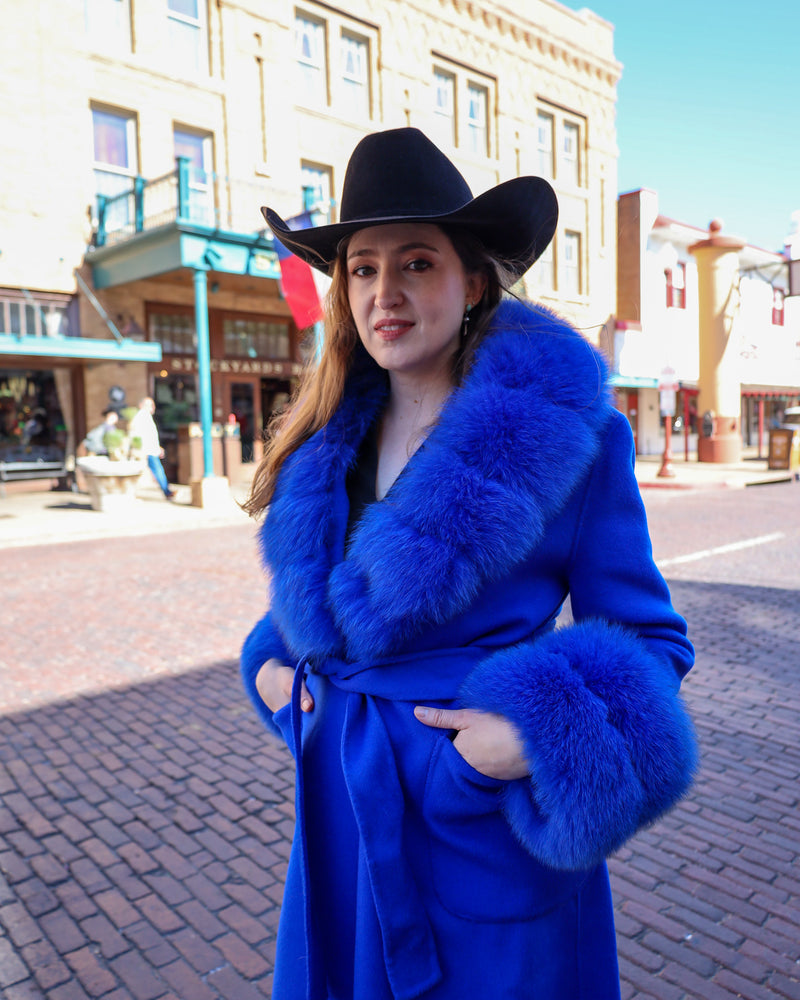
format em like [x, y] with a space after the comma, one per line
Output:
[448, 474]
[95, 440]
[144, 427]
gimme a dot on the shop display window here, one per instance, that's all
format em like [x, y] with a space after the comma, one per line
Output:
[32, 425]
[174, 331]
[245, 338]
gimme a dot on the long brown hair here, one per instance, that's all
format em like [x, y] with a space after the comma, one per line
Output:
[321, 385]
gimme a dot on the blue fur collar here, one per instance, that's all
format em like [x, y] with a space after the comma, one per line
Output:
[510, 446]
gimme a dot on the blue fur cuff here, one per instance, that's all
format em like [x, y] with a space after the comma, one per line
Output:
[263, 643]
[610, 744]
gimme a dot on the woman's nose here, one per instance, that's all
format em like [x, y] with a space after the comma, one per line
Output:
[387, 292]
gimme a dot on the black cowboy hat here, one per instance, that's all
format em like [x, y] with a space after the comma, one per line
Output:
[401, 176]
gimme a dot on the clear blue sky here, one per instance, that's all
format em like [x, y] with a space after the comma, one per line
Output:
[708, 109]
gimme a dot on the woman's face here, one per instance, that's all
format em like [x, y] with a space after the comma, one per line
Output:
[407, 290]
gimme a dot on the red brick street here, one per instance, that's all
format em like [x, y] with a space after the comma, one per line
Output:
[146, 817]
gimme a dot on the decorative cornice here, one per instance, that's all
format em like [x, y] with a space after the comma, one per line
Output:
[604, 70]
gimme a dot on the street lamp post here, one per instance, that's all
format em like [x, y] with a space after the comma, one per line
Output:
[668, 387]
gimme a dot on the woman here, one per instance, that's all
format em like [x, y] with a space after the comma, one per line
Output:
[449, 473]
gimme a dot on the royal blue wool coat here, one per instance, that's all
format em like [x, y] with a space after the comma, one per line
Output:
[411, 874]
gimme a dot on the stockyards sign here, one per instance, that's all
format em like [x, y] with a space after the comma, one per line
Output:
[276, 369]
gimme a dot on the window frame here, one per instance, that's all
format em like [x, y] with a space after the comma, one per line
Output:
[114, 34]
[129, 119]
[778, 307]
[567, 135]
[572, 238]
[243, 335]
[676, 290]
[570, 159]
[43, 314]
[320, 95]
[348, 83]
[545, 119]
[334, 92]
[481, 130]
[201, 176]
[323, 172]
[452, 125]
[199, 25]
[112, 177]
[445, 117]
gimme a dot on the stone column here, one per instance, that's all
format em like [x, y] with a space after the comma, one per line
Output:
[719, 399]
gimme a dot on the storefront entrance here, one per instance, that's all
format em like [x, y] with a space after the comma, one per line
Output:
[253, 402]
[243, 408]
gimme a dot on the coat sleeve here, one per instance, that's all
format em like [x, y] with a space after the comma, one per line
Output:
[263, 643]
[609, 741]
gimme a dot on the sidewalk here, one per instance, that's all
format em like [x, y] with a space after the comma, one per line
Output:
[60, 516]
[694, 475]
[52, 516]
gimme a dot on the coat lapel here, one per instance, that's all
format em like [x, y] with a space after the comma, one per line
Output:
[510, 447]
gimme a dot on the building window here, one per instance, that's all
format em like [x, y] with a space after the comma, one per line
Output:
[188, 35]
[544, 269]
[176, 402]
[246, 338]
[174, 331]
[23, 315]
[559, 152]
[316, 184]
[197, 148]
[108, 24]
[355, 74]
[777, 306]
[115, 163]
[676, 286]
[334, 57]
[444, 107]
[544, 144]
[462, 109]
[309, 39]
[477, 113]
[572, 284]
[569, 167]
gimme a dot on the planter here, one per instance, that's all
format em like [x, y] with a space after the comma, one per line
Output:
[111, 485]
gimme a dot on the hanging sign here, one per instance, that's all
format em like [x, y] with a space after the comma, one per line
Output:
[668, 380]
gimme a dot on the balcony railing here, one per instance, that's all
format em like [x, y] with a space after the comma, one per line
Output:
[186, 195]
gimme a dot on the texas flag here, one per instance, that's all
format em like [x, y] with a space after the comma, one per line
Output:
[297, 280]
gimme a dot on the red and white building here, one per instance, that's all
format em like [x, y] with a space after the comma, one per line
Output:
[657, 329]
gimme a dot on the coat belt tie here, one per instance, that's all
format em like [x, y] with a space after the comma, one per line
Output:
[368, 761]
[409, 950]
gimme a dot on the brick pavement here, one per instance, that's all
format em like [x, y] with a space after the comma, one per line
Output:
[145, 816]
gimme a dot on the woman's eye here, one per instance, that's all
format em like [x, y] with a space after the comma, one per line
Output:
[362, 270]
[419, 265]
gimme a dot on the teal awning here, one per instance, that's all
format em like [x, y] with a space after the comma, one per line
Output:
[177, 246]
[79, 348]
[634, 381]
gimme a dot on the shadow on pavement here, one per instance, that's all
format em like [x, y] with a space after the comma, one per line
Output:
[143, 842]
[71, 505]
[145, 832]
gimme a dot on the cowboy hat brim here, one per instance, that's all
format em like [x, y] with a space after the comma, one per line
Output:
[515, 221]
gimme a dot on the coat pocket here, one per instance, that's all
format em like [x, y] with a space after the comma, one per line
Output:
[282, 720]
[479, 870]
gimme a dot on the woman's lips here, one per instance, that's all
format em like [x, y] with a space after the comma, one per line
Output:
[392, 329]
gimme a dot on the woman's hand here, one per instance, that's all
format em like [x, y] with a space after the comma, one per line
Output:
[490, 743]
[274, 684]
